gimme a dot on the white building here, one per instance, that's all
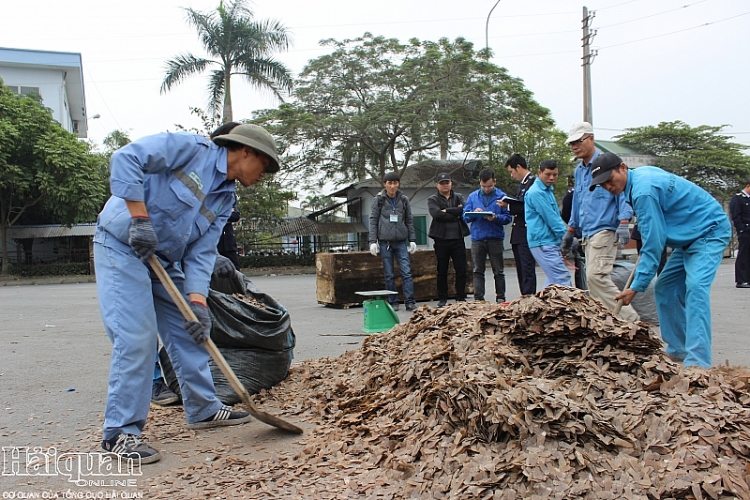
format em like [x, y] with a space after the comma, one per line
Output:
[56, 76]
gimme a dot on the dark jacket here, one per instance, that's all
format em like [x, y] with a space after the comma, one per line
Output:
[381, 227]
[227, 241]
[517, 209]
[739, 207]
[453, 206]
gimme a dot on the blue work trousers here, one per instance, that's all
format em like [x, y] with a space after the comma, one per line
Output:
[135, 307]
[391, 251]
[683, 296]
[550, 259]
[479, 252]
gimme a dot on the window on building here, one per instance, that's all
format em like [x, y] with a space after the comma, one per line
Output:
[420, 229]
[13, 88]
[28, 90]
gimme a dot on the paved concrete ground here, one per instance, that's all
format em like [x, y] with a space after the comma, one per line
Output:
[54, 358]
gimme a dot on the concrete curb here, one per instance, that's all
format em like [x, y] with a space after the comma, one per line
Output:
[66, 280]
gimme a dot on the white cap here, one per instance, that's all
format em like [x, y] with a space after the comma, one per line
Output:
[578, 130]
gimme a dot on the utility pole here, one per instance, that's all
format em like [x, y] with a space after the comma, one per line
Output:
[588, 59]
[487, 47]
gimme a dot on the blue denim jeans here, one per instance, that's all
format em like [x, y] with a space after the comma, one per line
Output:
[391, 251]
[479, 251]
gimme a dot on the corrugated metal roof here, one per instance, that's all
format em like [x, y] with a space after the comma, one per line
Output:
[302, 226]
[613, 147]
[50, 231]
[423, 175]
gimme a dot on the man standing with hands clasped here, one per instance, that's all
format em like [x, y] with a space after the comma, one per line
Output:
[391, 228]
[448, 230]
[672, 212]
[487, 233]
[603, 219]
[546, 227]
[172, 193]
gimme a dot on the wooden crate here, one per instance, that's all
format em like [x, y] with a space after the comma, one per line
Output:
[340, 275]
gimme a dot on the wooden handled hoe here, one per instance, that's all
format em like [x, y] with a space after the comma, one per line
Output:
[218, 358]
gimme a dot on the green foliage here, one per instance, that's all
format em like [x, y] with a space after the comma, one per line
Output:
[237, 45]
[262, 206]
[699, 154]
[46, 174]
[69, 269]
[376, 105]
[254, 261]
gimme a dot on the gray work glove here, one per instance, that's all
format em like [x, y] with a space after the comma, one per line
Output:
[374, 249]
[142, 238]
[223, 267]
[200, 330]
[567, 242]
[623, 233]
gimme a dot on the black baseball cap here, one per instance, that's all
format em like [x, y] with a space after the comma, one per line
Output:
[442, 176]
[602, 167]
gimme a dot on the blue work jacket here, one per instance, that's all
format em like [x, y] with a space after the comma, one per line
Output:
[597, 210]
[671, 211]
[544, 225]
[182, 179]
[481, 228]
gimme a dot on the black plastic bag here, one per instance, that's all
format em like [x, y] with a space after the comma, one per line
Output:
[256, 339]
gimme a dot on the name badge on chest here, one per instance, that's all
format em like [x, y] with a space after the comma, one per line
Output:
[394, 217]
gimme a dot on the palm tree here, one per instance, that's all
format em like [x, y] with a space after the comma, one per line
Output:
[239, 45]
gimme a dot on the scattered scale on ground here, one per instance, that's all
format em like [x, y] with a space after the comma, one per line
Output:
[549, 397]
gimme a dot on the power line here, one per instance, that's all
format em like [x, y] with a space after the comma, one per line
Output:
[619, 4]
[678, 31]
[653, 15]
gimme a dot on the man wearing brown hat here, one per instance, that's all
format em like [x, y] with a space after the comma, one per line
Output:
[602, 218]
[448, 229]
[172, 193]
[672, 212]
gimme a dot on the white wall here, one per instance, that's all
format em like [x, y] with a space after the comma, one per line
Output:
[51, 87]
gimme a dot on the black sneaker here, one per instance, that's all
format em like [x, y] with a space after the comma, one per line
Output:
[395, 306]
[130, 446]
[743, 285]
[442, 303]
[162, 395]
[410, 307]
[225, 416]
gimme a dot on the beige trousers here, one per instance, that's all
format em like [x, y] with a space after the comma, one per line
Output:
[601, 251]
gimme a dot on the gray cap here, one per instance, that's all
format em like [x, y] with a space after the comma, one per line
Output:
[443, 176]
[255, 137]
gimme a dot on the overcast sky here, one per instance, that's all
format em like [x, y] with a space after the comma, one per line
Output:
[658, 60]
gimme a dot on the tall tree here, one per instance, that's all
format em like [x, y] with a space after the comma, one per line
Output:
[43, 168]
[700, 154]
[376, 105]
[239, 45]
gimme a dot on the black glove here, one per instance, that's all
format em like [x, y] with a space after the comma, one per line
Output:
[223, 267]
[142, 238]
[200, 330]
[567, 242]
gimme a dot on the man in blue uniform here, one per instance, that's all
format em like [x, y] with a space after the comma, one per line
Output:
[739, 207]
[487, 234]
[545, 226]
[672, 211]
[172, 194]
[602, 219]
[525, 264]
